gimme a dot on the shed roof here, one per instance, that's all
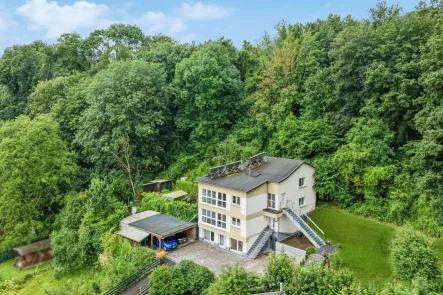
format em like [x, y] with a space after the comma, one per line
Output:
[162, 225]
[133, 234]
[139, 216]
[175, 194]
[34, 247]
[275, 170]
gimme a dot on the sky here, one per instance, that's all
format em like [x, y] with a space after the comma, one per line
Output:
[23, 21]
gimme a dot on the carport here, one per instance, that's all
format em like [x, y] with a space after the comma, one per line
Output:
[164, 225]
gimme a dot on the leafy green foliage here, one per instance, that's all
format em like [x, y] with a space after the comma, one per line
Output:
[190, 278]
[36, 170]
[161, 281]
[235, 280]
[208, 93]
[279, 269]
[128, 98]
[179, 209]
[190, 187]
[413, 256]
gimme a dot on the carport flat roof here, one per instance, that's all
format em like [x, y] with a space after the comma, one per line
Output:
[162, 225]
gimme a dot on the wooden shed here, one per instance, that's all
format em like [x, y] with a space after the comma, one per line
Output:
[33, 254]
[157, 185]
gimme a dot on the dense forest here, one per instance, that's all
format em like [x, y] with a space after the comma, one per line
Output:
[85, 121]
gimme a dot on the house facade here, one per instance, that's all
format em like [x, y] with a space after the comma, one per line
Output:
[246, 206]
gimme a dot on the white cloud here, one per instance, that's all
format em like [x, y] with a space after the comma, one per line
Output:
[199, 11]
[6, 20]
[56, 19]
[157, 22]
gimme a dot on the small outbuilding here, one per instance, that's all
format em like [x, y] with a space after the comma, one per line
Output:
[176, 195]
[33, 254]
[157, 185]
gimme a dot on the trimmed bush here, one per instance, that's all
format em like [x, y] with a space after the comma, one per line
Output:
[413, 256]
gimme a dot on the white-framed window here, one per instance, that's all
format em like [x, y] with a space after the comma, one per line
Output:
[221, 200]
[209, 217]
[271, 201]
[221, 220]
[236, 221]
[209, 197]
[213, 218]
[236, 245]
[221, 240]
[302, 182]
[301, 202]
[208, 235]
[236, 200]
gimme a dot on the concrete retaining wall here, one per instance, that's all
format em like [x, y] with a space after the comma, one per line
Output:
[296, 253]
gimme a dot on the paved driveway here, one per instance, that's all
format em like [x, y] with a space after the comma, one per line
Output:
[215, 258]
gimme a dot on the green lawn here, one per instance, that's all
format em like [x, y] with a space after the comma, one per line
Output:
[365, 243]
[43, 278]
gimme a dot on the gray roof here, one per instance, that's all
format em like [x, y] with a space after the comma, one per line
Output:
[138, 216]
[162, 225]
[176, 194]
[34, 247]
[275, 170]
[134, 234]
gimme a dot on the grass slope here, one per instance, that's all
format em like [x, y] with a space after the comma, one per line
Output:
[43, 279]
[365, 243]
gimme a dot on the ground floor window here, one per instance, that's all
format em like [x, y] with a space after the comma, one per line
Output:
[209, 235]
[221, 240]
[236, 245]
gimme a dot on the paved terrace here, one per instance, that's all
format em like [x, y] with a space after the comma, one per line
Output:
[214, 258]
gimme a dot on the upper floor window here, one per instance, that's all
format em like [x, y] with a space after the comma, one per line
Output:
[209, 197]
[301, 201]
[302, 182]
[221, 200]
[236, 200]
[213, 218]
[271, 201]
[236, 221]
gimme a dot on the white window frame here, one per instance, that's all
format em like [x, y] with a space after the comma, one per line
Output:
[302, 182]
[236, 200]
[302, 199]
[211, 235]
[271, 201]
[221, 240]
[209, 197]
[213, 219]
[221, 200]
[235, 222]
[235, 245]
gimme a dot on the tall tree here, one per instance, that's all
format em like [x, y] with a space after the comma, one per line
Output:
[208, 94]
[129, 99]
[36, 171]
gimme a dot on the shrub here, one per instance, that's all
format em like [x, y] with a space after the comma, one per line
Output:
[160, 281]
[310, 250]
[179, 209]
[412, 256]
[279, 268]
[188, 186]
[190, 278]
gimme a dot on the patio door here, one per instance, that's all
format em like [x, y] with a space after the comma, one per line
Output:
[221, 240]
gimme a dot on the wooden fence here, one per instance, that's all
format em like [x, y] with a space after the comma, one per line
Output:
[143, 271]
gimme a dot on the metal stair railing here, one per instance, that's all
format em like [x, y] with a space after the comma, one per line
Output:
[262, 238]
[301, 224]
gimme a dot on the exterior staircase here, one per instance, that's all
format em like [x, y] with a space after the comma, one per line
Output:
[260, 242]
[304, 227]
[315, 260]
